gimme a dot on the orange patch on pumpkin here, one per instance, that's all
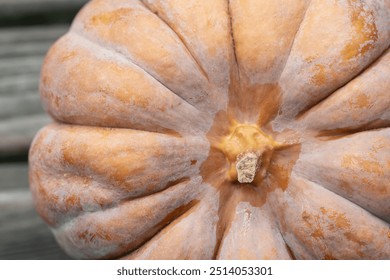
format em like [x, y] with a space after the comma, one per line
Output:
[365, 32]
[339, 219]
[72, 200]
[319, 77]
[68, 55]
[314, 223]
[369, 166]
[110, 17]
[360, 101]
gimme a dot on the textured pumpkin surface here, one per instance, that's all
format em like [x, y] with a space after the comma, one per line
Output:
[239, 129]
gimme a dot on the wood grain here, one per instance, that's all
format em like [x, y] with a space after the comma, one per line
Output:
[27, 12]
[22, 50]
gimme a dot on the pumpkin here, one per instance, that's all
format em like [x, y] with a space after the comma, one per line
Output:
[239, 129]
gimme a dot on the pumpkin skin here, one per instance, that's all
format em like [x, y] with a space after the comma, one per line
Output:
[163, 109]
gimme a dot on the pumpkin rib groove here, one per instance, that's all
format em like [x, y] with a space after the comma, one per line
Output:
[320, 223]
[165, 131]
[359, 175]
[289, 250]
[101, 45]
[277, 226]
[303, 176]
[251, 233]
[75, 166]
[131, 200]
[65, 176]
[108, 185]
[183, 212]
[229, 12]
[221, 223]
[289, 247]
[121, 201]
[334, 134]
[306, 255]
[72, 212]
[162, 130]
[152, 221]
[332, 50]
[180, 37]
[218, 245]
[356, 106]
[311, 107]
[199, 223]
[81, 212]
[293, 42]
[166, 187]
[348, 201]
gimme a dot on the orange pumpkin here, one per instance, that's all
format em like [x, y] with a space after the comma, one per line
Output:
[218, 129]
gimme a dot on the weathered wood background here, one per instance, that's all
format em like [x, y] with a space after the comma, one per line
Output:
[27, 29]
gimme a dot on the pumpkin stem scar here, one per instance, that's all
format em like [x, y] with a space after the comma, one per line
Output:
[246, 167]
[248, 150]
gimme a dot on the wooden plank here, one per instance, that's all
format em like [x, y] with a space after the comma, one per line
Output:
[22, 51]
[26, 49]
[15, 35]
[40, 2]
[13, 177]
[23, 234]
[28, 41]
[12, 66]
[16, 106]
[16, 135]
[27, 12]
[19, 84]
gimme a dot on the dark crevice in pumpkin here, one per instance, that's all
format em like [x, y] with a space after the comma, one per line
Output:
[273, 216]
[98, 182]
[306, 111]
[180, 37]
[334, 134]
[343, 196]
[230, 196]
[184, 180]
[105, 182]
[280, 216]
[175, 215]
[161, 130]
[120, 202]
[290, 252]
[295, 37]
[225, 196]
[237, 65]
[105, 47]
[221, 232]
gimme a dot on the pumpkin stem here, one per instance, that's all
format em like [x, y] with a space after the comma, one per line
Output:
[246, 166]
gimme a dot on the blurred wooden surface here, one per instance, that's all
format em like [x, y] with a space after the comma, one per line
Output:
[27, 29]
[22, 50]
[27, 12]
